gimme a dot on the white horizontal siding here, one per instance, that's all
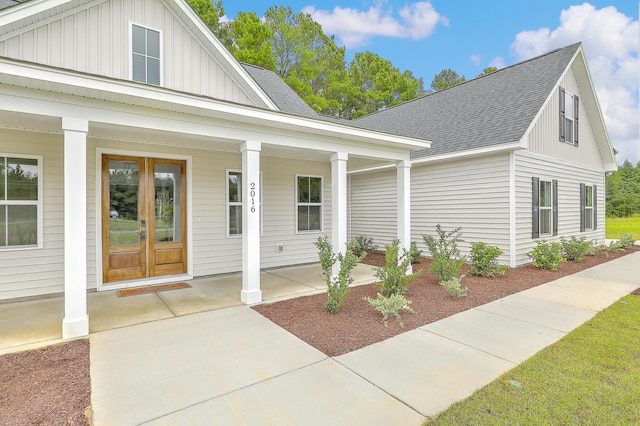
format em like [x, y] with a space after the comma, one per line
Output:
[544, 138]
[37, 271]
[95, 39]
[473, 194]
[569, 177]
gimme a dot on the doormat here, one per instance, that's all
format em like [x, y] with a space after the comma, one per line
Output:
[152, 289]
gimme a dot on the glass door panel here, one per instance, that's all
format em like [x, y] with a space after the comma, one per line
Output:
[124, 177]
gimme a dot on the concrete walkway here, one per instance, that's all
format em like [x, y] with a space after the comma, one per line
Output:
[234, 367]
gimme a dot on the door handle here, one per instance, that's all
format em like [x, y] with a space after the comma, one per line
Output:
[143, 235]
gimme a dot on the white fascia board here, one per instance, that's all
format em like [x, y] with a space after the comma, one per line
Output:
[27, 9]
[232, 61]
[161, 98]
[494, 149]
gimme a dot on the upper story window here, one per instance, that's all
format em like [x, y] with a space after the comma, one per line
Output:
[145, 55]
[20, 202]
[569, 108]
[309, 203]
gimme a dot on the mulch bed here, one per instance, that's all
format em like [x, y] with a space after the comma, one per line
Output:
[48, 386]
[358, 324]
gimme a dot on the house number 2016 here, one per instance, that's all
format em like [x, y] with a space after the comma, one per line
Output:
[252, 194]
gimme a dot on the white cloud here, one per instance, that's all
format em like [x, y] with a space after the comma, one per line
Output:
[497, 62]
[475, 59]
[354, 27]
[610, 41]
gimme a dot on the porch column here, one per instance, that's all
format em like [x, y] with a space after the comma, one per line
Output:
[339, 204]
[76, 318]
[251, 292]
[404, 204]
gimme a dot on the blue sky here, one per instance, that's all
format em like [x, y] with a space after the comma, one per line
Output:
[426, 37]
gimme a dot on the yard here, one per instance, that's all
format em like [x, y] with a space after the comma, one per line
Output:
[618, 225]
[589, 377]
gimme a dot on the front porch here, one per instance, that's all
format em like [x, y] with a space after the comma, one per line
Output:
[38, 322]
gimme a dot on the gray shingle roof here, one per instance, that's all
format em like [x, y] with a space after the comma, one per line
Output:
[490, 110]
[4, 4]
[280, 93]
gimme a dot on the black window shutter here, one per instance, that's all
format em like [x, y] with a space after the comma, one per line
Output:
[576, 108]
[555, 206]
[535, 210]
[561, 114]
[582, 206]
[595, 207]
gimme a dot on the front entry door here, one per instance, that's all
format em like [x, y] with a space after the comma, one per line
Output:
[143, 217]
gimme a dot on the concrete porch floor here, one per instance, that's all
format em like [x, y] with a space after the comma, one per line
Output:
[33, 323]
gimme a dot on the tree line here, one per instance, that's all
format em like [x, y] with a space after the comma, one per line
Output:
[294, 46]
[623, 191]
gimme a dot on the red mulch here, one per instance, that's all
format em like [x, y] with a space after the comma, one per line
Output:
[358, 324]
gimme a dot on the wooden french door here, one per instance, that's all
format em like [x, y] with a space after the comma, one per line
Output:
[143, 217]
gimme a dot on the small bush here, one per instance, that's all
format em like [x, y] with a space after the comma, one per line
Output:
[576, 248]
[546, 255]
[393, 275]
[414, 253]
[484, 258]
[338, 286]
[363, 244]
[446, 258]
[626, 240]
[454, 287]
[391, 305]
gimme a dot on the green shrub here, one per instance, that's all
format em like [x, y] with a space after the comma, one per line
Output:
[363, 244]
[414, 253]
[338, 286]
[576, 248]
[546, 255]
[393, 275]
[390, 305]
[626, 240]
[446, 258]
[454, 287]
[484, 258]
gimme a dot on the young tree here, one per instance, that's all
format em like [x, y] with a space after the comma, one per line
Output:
[445, 79]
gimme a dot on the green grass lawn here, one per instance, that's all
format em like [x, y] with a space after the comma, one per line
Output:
[590, 377]
[617, 225]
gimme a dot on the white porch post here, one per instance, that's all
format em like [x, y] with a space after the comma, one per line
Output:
[251, 292]
[339, 204]
[404, 204]
[76, 318]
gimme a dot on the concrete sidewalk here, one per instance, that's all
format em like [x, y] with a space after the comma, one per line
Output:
[233, 366]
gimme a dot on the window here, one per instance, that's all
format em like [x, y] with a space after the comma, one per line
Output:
[20, 202]
[545, 208]
[145, 55]
[588, 207]
[234, 203]
[309, 203]
[569, 108]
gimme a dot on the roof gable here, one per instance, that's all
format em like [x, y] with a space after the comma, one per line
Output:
[490, 110]
[93, 36]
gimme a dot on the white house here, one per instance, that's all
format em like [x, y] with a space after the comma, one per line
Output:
[518, 155]
[135, 150]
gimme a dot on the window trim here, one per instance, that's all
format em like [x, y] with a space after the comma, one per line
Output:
[537, 208]
[38, 203]
[320, 204]
[160, 59]
[229, 204]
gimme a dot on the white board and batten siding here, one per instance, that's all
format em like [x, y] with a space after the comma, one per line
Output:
[470, 193]
[95, 39]
[569, 177]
